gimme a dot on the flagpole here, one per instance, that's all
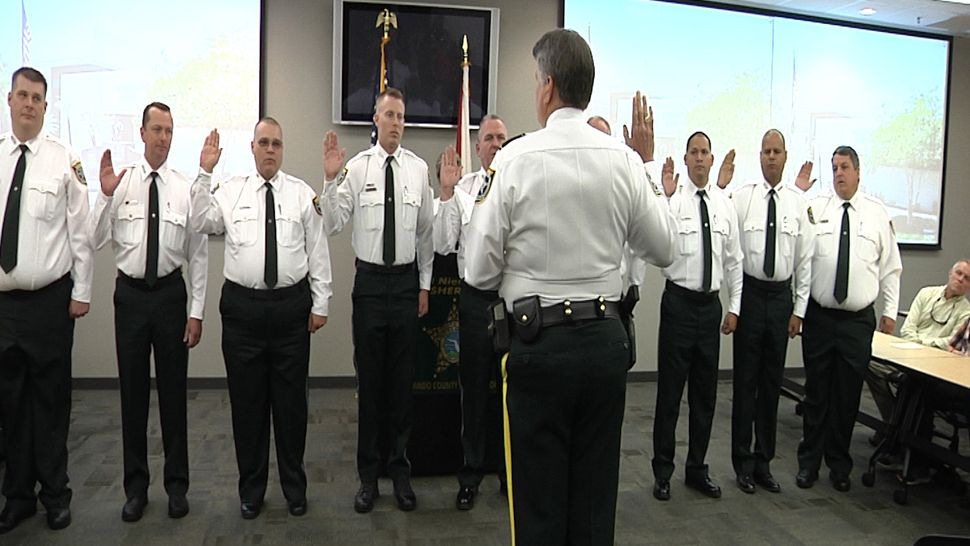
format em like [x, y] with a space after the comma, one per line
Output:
[463, 144]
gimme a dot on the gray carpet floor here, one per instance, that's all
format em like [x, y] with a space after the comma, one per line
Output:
[794, 517]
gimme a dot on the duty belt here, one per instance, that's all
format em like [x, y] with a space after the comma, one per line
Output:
[570, 311]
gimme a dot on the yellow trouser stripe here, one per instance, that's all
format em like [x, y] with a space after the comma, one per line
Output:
[508, 443]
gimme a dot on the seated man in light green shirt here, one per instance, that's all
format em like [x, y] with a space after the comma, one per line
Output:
[936, 314]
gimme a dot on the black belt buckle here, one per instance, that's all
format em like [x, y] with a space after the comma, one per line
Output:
[527, 314]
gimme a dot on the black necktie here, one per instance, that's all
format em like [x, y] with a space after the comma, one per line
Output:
[151, 262]
[388, 212]
[9, 239]
[769, 267]
[842, 267]
[269, 264]
[706, 233]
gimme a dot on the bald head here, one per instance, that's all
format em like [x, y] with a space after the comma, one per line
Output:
[773, 156]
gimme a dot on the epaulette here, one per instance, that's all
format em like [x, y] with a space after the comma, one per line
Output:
[513, 139]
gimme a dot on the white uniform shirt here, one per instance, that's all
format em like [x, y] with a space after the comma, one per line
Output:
[360, 194]
[874, 263]
[237, 208]
[687, 271]
[794, 236]
[451, 220]
[554, 218]
[123, 220]
[53, 235]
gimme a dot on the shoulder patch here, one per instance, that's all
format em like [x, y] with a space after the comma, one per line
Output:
[486, 187]
[316, 205]
[79, 172]
[811, 217]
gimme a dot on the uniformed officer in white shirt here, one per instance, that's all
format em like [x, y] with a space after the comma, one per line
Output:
[277, 292]
[478, 362]
[143, 211]
[856, 260]
[392, 239]
[708, 256]
[776, 240]
[548, 232]
[46, 266]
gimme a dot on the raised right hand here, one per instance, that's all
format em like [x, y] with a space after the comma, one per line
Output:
[333, 155]
[668, 178]
[450, 172]
[109, 180]
[211, 152]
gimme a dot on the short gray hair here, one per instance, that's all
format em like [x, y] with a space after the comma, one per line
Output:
[849, 151]
[564, 56]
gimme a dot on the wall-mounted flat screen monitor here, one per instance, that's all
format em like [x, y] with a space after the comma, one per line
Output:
[423, 56]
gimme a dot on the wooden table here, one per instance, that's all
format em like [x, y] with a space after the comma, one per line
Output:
[921, 365]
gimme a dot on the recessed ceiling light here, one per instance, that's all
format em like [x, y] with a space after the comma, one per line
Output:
[867, 11]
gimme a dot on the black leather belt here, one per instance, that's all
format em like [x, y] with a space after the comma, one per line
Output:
[385, 269]
[705, 297]
[266, 294]
[767, 286]
[140, 284]
[571, 311]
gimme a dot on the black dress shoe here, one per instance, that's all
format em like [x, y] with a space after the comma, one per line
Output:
[840, 482]
[133, 509]
[11, 518]
[705, 485]
[250, 510]
[465, 499]
[405, 497]
[178, 506]
[806, 478]
[297, 508]
[661, 490]
[58, 518]
[767, 482]
[746, 483]
[366, 495]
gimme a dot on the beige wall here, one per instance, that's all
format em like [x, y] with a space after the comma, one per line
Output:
[297, 91]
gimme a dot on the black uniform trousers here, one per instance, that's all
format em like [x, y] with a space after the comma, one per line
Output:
[760, 345]
[565, 400]
[36, 337]
[687, 354]
[836, 346]
[151, 321]
[385, 329]
[478, 365]
[266, 345]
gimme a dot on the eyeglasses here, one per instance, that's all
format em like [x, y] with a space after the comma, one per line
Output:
[934, 307]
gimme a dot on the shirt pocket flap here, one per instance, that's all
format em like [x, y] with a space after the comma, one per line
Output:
[131, 210]
[370, 198]
[44, 186]
[754, 225]
[245, 214]
[411, 197]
